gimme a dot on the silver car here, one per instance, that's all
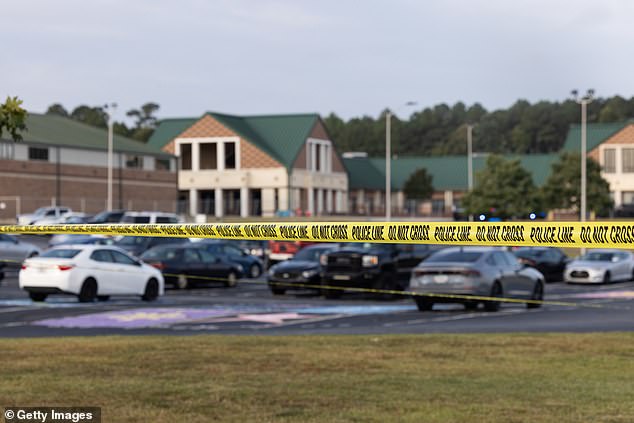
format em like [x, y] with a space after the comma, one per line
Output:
[601, 266]
[474, 271]
[13, 251]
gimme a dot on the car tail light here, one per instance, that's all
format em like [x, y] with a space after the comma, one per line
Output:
[158, 265]
[24, 266]
[65, 266]
[472, 273]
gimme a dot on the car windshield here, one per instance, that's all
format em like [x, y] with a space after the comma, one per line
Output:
[135, 219]
[366, 245]
[597, 256]
[529, 253]
[310, 254]
[161, 254]
[132, 240]
[455, 257]
[40, 211]
[61, 253]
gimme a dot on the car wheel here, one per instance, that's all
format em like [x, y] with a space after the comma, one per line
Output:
[182, 282]
[88, 291]
[255, 271]
[103, 297]
[424, 304]
[606, 278]
[387, 282]
[151, 290]
[471, 305]
[538, 295]
[232, 280]
[496, 291]
[37, 296]
[277, 291]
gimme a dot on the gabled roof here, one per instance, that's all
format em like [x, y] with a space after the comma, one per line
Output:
[65, 132]
[280, 136]
[596, 133]
[448, 172]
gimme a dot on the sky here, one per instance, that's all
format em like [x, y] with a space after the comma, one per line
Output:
[352, 58]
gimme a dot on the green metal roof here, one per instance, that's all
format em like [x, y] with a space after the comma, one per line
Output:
[596, 133]
[167, 130]
[448, 172]
[280, 136]
[57, 130]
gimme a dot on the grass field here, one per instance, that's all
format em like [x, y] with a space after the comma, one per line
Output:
[426, 378]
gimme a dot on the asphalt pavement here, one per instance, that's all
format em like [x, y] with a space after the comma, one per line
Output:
[251, 309]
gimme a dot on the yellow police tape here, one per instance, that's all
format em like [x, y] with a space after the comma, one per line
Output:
[554, 234]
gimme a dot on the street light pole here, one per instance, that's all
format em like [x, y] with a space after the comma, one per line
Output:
[470, 162]
[388, 161]
[111, 108]
[583, 101]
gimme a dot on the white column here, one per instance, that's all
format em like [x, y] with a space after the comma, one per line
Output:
[313, 158]
[193, 202]
[329, 201]
[283, 197]
[338, 201]
[320, 201]
[448, 201]
[268, 202]
[311, 200]
[195, 156]
[244, 202]
[220, 155]
[218, 206]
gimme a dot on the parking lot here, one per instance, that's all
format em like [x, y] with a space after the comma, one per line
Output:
[250, 308]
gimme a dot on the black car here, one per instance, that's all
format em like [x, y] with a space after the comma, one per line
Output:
[186, 265]
[137, 245]
[252, 265]
[372, 265]
[303, 269]
[550, 261]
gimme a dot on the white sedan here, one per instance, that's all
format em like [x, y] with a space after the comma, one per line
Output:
[90, 272]
[601, 266]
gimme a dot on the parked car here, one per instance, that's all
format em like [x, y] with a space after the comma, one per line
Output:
[112, 216]
[90, 272]
[186, 265]
[13, 250]
[137, 245]
[601, 266]
[41, 213]
[257, 248]
[303, 268]
[371, 265]
[67, 239]
[477, 271]
[66, 219]
[252, 265]
[150, 217]
[550, 261]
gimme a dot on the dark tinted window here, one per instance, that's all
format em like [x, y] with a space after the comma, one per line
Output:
[121, 258]
[191, 256]
[132, 240]
[207, 256]
[101, 256]
[166, 219]
[597, 256]
[61, 253]
[455, 256]
[136, 219]
[162, 254]
[310, 254]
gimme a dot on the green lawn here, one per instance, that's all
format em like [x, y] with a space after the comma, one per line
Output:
[425, 378]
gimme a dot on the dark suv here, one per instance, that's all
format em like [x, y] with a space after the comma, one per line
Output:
[370, 265]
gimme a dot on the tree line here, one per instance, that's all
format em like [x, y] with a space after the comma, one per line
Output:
[523, 128]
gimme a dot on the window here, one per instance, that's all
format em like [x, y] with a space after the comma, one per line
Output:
[628, 160]
[318, 158]
[102, 256]
[186, 156]
[133, 162]
[122, 258]
[208, 155]
[627, 197]
[162, 164]
[6, 150]
[37, 153]
[609, 160]
[438, 206]
[191, 256]
[230, 155]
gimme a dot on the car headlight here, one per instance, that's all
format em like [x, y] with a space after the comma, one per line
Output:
[307, 274]
[323, 260]
[369, 261]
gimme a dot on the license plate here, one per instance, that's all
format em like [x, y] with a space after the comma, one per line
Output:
[441, 278]
[341, 277]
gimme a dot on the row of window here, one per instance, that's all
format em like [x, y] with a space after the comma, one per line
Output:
[131, 161]
[210, 156]
[627, 160]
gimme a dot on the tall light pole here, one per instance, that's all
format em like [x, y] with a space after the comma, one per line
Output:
[388, 161]
[584, 101]
[470, 161]
[110, 110]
